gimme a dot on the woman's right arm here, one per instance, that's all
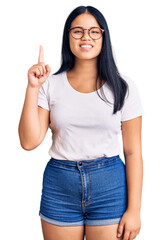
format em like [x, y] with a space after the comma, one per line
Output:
[34, 120]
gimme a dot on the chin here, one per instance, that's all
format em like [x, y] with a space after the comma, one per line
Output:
[86, 56]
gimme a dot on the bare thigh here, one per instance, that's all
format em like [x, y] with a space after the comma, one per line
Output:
[105, 232]
[54, 232]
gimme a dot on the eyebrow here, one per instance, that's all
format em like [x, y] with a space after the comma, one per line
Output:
[83, 27]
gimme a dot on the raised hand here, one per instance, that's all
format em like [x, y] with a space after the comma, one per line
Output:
[38, 73]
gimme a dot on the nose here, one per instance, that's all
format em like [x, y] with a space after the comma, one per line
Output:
[86, 35]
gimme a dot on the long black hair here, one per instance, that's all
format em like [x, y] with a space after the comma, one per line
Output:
[107, 69]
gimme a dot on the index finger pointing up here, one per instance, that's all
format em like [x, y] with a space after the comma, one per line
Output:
[41, 55]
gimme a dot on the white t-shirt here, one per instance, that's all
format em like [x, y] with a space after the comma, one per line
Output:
[82, 124]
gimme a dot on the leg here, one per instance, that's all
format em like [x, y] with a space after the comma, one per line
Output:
[54, 232]
[105, 232]
[109, 200]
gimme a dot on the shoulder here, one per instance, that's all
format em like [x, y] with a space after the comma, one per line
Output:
[132, 86]
[53, 80]
[132, 105]
[129, 80]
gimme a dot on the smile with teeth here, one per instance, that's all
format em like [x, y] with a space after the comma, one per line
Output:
[85, 46]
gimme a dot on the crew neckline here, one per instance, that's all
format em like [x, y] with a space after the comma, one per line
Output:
[74, 90]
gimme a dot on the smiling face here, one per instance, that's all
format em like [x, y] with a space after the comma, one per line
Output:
[85, 20]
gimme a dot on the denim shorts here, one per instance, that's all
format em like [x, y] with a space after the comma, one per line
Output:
[91, 192]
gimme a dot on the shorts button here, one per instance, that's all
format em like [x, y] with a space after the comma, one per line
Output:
[80, 164]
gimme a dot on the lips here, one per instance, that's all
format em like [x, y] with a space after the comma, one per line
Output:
[86, 45]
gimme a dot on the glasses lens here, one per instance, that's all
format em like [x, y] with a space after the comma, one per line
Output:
[77, 32]
[95, 33]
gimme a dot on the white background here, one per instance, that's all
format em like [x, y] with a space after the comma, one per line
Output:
[136, 34]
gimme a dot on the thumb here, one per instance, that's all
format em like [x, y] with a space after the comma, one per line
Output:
[120, 229]
[48, 69]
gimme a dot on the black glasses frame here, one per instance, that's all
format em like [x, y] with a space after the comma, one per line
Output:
[102, 30]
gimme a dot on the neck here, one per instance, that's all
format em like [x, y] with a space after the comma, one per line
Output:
[85, 69]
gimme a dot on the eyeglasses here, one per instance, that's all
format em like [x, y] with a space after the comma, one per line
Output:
[78, 32]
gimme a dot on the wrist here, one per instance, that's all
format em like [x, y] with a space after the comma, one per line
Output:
[133, 209]
[36, 89]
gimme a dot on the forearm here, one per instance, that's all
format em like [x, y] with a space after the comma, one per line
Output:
[29, 125]
[134, 174]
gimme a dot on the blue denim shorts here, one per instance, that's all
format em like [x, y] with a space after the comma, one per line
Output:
[91, 192]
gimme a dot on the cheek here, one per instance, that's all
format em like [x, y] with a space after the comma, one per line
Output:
[100, 44]
[72, 46]
[99, 47]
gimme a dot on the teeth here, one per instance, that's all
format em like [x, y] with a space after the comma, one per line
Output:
[89, 46]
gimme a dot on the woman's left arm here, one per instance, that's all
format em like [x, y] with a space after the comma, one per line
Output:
[131, 133]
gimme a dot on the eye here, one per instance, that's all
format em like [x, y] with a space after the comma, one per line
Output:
[77, 31]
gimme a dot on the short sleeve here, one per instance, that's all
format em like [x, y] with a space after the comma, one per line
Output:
[132, 107]
[43, 96]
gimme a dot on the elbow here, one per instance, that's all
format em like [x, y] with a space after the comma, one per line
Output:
[28, 147]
